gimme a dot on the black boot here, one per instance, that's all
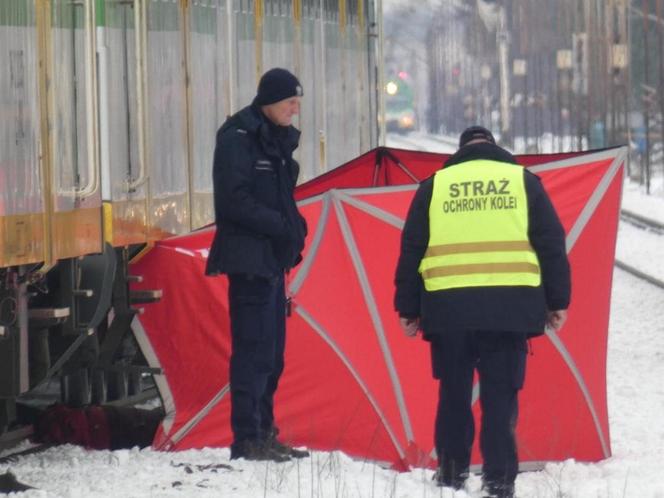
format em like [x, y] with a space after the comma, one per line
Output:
[498, 489]
[448, 474]
[256, 450]
[284, 449]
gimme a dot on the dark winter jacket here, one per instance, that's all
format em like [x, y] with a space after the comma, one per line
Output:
[259, 228]
[503, 308]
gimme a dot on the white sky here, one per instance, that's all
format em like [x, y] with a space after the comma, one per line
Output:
[635, 399]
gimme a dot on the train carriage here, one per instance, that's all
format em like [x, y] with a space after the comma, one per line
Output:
[108, 113]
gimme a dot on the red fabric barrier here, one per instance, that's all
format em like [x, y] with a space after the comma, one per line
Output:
[352, 380]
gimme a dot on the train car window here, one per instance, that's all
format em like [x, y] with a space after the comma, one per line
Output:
[209, 91]
[166, 117]
[19, 112]
[69, 109]
[244, 59]
[332, 10]
[121, 107]
[276, 35]
[352, 9]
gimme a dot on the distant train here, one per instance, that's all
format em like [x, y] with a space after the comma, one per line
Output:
[108, 114]
[399, 104]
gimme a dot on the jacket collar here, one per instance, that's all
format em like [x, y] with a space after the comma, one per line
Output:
[484, 150]
[254, 121]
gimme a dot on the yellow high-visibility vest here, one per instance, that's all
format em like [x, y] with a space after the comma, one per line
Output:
[478, 228]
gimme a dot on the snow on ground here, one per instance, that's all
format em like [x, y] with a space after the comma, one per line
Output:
[635, 398]
[650, 206]
[634, 247]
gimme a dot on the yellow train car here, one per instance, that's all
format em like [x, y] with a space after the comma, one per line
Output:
[108, 113]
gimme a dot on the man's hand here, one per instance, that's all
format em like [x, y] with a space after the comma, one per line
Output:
[410, 326]
[556, 319]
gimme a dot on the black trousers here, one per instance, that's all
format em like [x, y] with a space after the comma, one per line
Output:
[258, 328]
[500, 360]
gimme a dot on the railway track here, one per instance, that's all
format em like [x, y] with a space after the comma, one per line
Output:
[14, 437]
[32, 450]
[15, 444]
[642, 223]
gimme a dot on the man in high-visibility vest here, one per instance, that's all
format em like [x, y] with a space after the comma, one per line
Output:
[483, 267]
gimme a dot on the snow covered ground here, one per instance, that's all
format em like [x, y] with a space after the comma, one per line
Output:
[636, 413]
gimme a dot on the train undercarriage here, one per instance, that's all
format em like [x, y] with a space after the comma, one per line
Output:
[65, 336]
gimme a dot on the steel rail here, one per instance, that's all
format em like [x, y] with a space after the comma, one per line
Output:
[14, 456]
[638, 273]
[641, 221]
[644, 223]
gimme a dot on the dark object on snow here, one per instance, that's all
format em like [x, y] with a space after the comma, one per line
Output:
[212, 467]
[9, 484]
[272, 442]
[250, 449]
[98, 427]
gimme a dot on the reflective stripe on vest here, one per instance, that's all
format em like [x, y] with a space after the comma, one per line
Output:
[478, 228]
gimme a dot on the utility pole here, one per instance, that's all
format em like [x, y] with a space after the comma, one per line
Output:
[646, 105]
[495, 16]
[380, 70]
[503, 41]
[660, 83]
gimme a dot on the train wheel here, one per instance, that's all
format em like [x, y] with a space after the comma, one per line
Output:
[117, 385]
[75, 388]
[98, 387]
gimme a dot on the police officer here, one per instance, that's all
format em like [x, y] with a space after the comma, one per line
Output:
[259, 237]
[483, 267]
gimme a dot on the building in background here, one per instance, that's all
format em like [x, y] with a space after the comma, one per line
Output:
[564, 75]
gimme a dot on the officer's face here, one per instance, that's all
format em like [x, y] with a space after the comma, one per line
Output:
[282, 112]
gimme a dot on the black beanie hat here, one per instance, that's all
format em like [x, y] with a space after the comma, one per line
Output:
[474, 132]
[277, 84]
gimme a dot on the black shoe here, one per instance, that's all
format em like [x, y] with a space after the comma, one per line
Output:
[447, 475]
[498, 490]
[272, 441]
[456, 482]
[284, 449]
[256, 450]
